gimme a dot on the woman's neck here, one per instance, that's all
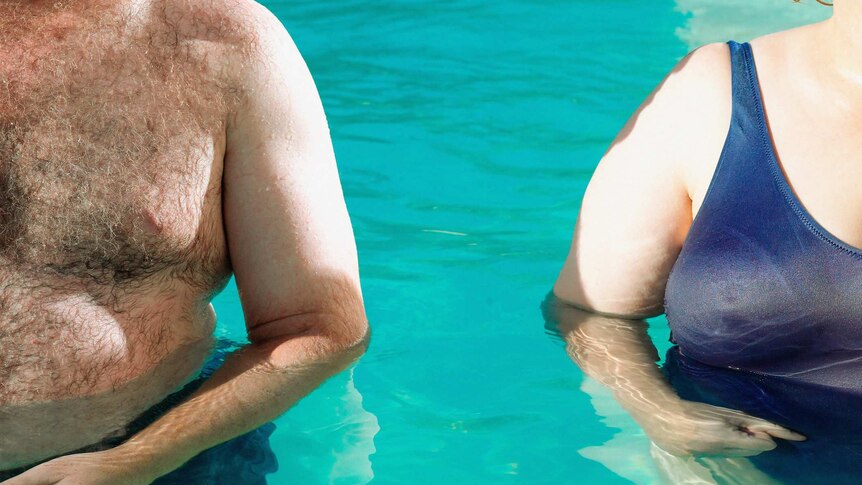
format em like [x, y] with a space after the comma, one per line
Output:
[839, 43]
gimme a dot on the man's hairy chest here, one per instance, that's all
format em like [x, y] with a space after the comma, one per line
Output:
[110, 158]
[112, 135]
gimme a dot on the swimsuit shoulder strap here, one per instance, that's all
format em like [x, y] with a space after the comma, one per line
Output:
[745, 94]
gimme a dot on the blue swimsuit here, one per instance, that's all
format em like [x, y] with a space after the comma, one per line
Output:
[765, 305]
[759, 284]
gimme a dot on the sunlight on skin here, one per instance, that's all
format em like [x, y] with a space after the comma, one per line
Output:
[619, 354]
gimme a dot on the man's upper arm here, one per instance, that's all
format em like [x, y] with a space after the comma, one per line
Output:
[637, 208]
[289, 235]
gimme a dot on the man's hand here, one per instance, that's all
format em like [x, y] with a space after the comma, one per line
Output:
[99, 468]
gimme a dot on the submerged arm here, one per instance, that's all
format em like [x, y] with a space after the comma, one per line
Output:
[618, 353]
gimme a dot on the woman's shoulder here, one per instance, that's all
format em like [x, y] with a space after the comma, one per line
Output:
[705, 72]
[636, 208]
[685, 118]
[695, 99]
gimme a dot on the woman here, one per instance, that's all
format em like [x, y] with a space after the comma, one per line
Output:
[728, 202]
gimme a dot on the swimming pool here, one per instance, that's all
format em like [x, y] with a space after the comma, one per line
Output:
[465, 133]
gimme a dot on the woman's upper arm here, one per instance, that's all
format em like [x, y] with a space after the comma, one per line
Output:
[637, 207]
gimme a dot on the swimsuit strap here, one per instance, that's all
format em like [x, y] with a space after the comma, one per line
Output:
[746, 96]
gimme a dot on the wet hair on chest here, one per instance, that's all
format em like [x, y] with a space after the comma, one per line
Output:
[112, 205]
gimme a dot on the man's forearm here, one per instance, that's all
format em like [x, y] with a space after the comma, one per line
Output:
[255, 385]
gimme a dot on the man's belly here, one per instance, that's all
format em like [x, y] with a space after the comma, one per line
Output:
[74, 371]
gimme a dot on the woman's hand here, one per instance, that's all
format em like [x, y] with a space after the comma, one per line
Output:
[99, 468]
[693, 428]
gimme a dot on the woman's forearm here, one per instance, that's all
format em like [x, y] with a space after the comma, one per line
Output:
[619, 354]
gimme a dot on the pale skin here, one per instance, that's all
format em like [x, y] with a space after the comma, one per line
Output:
[650, 184]
[292, 251]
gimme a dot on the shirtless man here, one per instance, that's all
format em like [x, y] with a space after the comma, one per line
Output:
[149, 148]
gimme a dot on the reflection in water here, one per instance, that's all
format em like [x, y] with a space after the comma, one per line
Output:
[626, 453]
[701, 419]
[696, 470]
[329, 437]
[353, 460]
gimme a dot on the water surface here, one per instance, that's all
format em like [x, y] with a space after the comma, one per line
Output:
[466, 132]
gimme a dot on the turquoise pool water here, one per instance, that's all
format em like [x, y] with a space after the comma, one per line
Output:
[466, 132]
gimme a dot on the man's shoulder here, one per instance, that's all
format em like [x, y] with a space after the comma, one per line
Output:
[235, 23]
[238, 42]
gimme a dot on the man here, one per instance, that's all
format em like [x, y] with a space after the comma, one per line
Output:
[147, 149]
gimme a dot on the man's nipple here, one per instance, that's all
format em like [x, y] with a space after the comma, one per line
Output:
[152, 223]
